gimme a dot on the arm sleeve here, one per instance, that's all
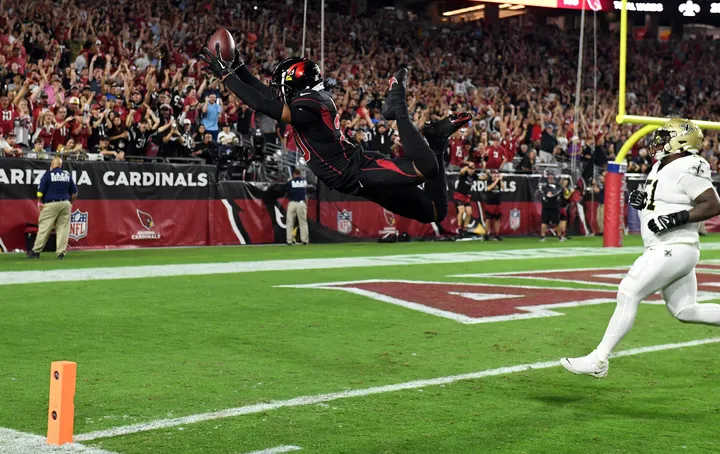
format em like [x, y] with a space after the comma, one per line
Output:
[254, 99]
[246, 76]
[302, 113]
[73, 187]
[42, 187]
[696, 180]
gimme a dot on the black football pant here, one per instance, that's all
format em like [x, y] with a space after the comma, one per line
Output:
[394, 185]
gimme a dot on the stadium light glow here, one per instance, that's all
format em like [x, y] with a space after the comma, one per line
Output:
[463, 10]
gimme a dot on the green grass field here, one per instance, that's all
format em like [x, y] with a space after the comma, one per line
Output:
[162, 347]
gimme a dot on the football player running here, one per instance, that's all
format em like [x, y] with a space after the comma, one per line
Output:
[678, 195]
[297, 97]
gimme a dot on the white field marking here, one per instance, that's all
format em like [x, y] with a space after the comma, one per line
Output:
[520, 274]
[196, 269]
[231, 219]
[531, 312]
[277, 450]
[14, 442]
[320, 398]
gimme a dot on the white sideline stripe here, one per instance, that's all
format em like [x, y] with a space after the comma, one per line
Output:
[15, 442]
[311, 400]
[277, 450]
[196, 269]
[231, 219]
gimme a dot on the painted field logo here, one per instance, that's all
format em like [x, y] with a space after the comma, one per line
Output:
[344, 221]
[474, 303]
[514, 219]
[78, 224]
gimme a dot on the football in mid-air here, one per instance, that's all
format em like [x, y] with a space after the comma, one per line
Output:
[227, 44]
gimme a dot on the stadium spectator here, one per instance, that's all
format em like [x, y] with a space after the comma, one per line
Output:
[10, 148]
[551, 194]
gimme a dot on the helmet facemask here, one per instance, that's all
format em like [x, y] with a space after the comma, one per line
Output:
[675, 136]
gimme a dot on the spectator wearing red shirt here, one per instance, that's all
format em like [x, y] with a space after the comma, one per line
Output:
[7, 115]
[457, 150]
[495, 154]
[45, 130]
[63, 125]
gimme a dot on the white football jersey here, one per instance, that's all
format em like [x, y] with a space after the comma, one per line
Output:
[670, 189]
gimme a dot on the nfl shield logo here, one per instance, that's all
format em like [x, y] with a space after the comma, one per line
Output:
[514, 219]
[344, 221]
[78, 224]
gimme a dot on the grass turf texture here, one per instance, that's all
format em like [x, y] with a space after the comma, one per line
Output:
[159, 347]
[139, 257]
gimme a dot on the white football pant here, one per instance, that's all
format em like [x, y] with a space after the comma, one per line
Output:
[670, 269]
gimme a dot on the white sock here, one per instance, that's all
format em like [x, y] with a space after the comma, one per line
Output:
[620, 324]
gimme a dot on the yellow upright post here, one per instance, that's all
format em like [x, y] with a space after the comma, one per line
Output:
[623, 61]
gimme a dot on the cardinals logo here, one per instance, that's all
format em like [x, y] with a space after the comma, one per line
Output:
[296, 70]
[389, 218]
[146, 220]
[390, 229]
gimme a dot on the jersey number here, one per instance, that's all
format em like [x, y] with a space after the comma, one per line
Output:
[652, 184]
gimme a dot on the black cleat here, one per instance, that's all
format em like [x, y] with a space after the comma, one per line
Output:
[395, 100]
[61, 256]
[438, 132]
[33, 255]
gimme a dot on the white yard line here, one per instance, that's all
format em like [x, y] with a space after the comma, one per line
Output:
[277, 450]
[14, 442]
[195, 269]
[312, 400]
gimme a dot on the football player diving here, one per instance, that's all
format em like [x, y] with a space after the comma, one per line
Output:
[297, 97]
[678, 195]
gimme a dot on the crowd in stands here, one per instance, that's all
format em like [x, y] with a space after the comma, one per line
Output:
[100, 80]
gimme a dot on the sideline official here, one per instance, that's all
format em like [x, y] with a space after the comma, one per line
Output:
[56, 192]
[297, 192]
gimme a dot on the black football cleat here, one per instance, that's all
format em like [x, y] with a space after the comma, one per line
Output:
[438, 132]
[33, 255]
[395, 100]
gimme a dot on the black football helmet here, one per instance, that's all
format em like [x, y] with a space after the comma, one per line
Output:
[293, 75]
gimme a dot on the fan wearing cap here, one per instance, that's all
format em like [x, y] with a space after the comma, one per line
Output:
[227, 137]
[105, 150]
[10, 148]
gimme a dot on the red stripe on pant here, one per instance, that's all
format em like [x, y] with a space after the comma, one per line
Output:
[389, 165]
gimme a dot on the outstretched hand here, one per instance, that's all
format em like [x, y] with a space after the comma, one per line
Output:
[215, 63]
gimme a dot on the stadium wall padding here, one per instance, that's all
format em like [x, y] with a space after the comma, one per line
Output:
[125, 205]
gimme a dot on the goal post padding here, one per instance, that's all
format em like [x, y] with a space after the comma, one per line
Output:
[613, 230]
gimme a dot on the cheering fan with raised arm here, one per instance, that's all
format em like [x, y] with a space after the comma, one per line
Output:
[297, 97]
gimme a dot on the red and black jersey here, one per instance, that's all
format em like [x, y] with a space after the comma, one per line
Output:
[7, 119]
[465, 182]
[331, 158]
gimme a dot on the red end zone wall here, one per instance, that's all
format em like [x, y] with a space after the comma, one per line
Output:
[141, 205]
